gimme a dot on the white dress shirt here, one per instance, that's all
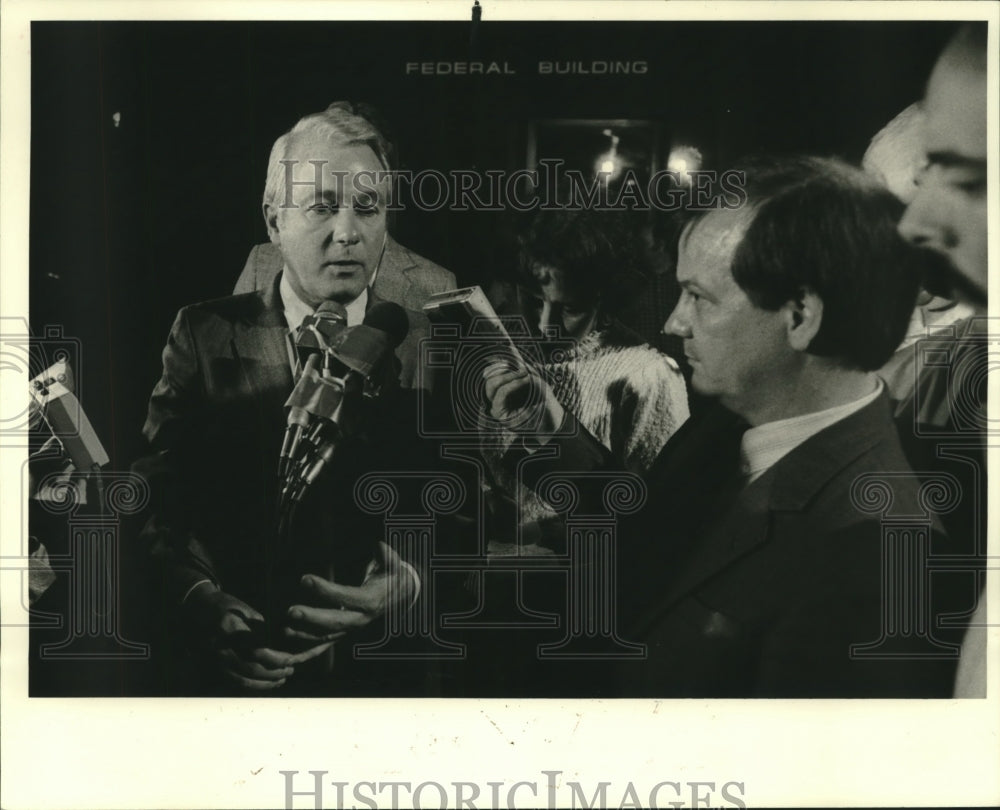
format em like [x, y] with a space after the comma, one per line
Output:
[296, 310]
[763, 446]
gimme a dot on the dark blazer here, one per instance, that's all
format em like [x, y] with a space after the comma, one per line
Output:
[215, 425]
[403, 277]
[769, 588]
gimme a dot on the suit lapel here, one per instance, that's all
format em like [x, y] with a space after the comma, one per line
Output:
[697, 463]
[746, 517]
[744, 525]
[260, 345]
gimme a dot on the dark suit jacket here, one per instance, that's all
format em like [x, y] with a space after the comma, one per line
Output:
[403, 277]
[770, 588]
[215, 426]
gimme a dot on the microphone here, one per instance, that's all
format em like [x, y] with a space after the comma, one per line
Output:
[364, 348]
[312, 343]
[298, 416]
[389, 318]
[329, 402]
[319, 330]
[52, 398]
[331, 412]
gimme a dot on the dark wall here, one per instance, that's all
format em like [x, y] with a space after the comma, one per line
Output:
[130, 222]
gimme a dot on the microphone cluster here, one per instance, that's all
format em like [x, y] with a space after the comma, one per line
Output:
[341, 367]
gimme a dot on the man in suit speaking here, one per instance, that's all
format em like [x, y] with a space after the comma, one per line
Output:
[254, 611]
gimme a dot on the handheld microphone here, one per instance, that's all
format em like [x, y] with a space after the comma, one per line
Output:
[298, 415]
[53, 399]
[389, 318]
[312, 343]
[334, 414]
[325, 408]
[365, 348]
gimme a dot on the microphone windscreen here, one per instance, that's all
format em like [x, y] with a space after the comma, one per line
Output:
[333, 310]
[308, 380]
[319, 329]
[389, 318]
[361, 348]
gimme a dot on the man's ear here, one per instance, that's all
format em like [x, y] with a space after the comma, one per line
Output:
[803, 317]
[271, 220]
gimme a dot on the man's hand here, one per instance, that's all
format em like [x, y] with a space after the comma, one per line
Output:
[335, 609]
[223, 625]
[522, 400]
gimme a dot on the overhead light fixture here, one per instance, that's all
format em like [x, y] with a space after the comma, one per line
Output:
[684, 160]
[608, 164]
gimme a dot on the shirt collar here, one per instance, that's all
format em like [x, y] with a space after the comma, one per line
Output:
[356, 309]
[296, 310]
[764, 445]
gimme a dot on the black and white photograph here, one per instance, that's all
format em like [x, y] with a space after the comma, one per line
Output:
[391, 390]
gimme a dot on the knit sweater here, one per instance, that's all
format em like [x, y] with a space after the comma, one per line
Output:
[627, 395]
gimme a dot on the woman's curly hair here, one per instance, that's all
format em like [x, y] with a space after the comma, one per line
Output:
[600, 254]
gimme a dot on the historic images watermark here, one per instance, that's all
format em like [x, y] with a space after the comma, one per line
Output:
[959, 360]
[551, 186]
[549, 791]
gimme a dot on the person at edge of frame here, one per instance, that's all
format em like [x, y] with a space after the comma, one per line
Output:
[948, 215]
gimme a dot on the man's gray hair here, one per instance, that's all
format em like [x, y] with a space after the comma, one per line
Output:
[341, 122]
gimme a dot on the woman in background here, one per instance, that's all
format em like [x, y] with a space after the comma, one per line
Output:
[578, 269]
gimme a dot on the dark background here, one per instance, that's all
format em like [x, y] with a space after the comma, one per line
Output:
[129, 223]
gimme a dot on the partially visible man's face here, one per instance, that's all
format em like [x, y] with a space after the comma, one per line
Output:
[734, 347]
[332, 238]
[948, 213]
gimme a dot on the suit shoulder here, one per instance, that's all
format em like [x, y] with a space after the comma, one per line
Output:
[433, 276]
[834, 471]
[227, 309]
[435, 272]
[878, 477]
[262, 264]
[885, 464]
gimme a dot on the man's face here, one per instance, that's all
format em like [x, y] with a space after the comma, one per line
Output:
[948, 213]
[734, 347]
[332, 236]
